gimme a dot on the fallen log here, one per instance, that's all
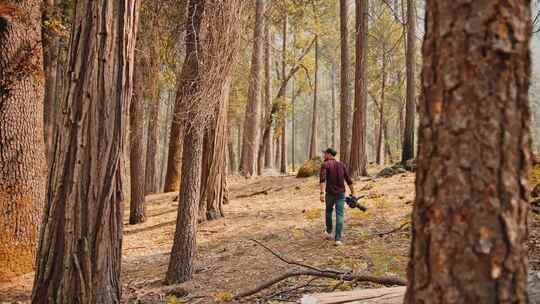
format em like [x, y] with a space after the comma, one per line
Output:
[392, 295]
[265, 192]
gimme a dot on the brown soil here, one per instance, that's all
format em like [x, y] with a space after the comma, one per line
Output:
[289, 219]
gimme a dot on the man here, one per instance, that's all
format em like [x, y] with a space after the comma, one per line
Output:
[332, 177]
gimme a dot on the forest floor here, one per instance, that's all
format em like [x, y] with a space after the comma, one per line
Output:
[288, 219]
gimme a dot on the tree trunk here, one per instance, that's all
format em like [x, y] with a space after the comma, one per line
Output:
[174, 157]
[50, 64]
[469, 237]
[380, 154]
[410, 108]
[278, 148]
[313, 147]
[231, 160]
[358, 164]
[213, 181]
[81, 238]
[264, 157]
[283, 144]
[22, 168]
[151, 184]
[250, 144]
[137, 151]
[333, 88]
[293, 127]
[345, 133]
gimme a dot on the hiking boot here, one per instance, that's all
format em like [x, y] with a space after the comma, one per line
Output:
[328, 236]
[338, 243]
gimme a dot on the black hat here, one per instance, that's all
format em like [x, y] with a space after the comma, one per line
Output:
[330, 151]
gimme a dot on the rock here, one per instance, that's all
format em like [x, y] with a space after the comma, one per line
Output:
[410, 165]
[310, 168]
[536, 191]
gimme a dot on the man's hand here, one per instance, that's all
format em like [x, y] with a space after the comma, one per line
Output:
[323, 198]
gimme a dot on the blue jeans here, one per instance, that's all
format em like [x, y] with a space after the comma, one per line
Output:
[339, 202]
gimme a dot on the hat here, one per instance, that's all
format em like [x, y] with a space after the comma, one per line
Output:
[330, 151]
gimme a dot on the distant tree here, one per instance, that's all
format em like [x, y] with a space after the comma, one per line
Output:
[80, 245]
[469, 236]
[345, 101]
[358, 163]
[22, 165]
[251, 139]
[283, 89]
[313, 147]
[410, 109]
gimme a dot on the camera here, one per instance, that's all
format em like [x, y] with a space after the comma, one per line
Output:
[352, 202]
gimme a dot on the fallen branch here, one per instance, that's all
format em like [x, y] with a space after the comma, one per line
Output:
[328, 275]
[316, 272]
[265, 192]
[393, 230]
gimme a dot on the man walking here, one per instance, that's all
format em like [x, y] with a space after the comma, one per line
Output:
[332, 177]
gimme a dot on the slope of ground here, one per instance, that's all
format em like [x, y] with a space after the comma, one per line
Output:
[288, 218]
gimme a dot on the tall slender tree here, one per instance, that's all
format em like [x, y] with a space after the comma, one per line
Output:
[283, 140]
[469, 236]
[345, 133]
[250, 143]
[410, 108]
[81, 237]
[358, 163]
[212, 37]
[313, 147]
[268, 161]
[22, 179]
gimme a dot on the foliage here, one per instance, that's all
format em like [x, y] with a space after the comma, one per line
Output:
[310, 168]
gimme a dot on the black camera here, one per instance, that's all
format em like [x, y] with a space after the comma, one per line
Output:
[352, 202]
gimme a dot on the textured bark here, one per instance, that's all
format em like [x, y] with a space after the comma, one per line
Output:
[293, 127]
[410, 108]
[358, 163]
[345, 133]
[137, 152]
[231, 159]
[469, 241]
[313, 146]
[50, 64]
[174, 157]
[80, 243]
[22, 158]
[252, 131]
[333, 92]
[214, 175]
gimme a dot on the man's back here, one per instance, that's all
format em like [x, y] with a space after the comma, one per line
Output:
[334, 174]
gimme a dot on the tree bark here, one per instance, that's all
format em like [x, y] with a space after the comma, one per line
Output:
[80, 243]
[293, 127]
[137, 151]
[358, 164]
[333, 88]
[265, 150]
[231, 160]
[22, 164]
[469, 237]
[214, 176]
[50, 64]
[283, 143]
[250, 144]
[410, 108]
[381, 129]
[345, 133]
[313, 147]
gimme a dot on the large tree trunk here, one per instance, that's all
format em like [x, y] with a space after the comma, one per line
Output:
[313, 147]
[81, 238]
[231, 159]
[358, 164]
[293, 127]
[469, 241]
[214, 184]
[410, 108]
[345, 133]
[250, 144]
[174, 157]
[137, 151]
[333, 88]
[22, 164]
[50, 64]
